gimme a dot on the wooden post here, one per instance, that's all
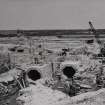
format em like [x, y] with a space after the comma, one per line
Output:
[52, 65]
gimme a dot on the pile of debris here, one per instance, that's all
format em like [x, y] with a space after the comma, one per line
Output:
[39, 95]
[11, 82]
[5, 62]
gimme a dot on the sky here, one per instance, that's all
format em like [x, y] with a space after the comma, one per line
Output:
[51, 14]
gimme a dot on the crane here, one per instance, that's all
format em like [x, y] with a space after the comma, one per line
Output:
[93, 30]
[95, 43]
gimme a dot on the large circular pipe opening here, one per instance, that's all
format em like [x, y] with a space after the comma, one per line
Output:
[34, 75]
[69, 71]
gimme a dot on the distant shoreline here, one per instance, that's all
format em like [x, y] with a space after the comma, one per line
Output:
[74, 33]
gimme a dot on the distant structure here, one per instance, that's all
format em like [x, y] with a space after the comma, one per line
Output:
[93, 30]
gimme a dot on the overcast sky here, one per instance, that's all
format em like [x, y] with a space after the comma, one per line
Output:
[51, 14]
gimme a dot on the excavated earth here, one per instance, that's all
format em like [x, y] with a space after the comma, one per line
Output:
[38, 94]
[41, 95]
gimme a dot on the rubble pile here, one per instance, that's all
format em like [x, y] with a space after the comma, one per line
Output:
[9, 83]
[5, 64]
[39, 95]
[89, 98]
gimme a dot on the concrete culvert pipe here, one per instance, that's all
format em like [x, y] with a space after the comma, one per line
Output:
[34, 75]
[69, 71]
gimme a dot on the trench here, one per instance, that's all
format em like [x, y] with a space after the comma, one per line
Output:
[34, 75]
